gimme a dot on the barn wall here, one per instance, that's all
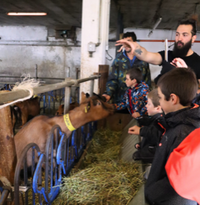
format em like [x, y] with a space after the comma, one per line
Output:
[22, 48]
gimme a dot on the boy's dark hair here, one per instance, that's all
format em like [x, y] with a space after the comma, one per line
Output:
[130, 34]
[153, 95]
[192, 22]
[135, 73]
[180, 81]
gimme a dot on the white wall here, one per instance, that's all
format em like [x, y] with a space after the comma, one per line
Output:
[24, 47]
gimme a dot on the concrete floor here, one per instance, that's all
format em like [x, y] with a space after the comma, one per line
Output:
[127, 151]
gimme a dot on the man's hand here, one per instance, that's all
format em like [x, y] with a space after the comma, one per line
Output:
[198, 91]
[179, 63]
[124, 42]
[136, 114]
[120, 49]
[107, 97]
[135, 130]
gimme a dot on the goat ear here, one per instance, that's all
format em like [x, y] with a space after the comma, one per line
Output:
[87, 95]
[83, 96]
[99, 102]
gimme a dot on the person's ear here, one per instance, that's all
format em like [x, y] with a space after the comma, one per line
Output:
[158, 108]
[174, 99]
[194, 38]
[134, 80]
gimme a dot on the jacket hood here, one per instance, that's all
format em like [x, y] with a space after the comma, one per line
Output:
[187, 116]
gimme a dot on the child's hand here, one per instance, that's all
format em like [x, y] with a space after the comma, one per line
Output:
[107, 97]
[135, 130]
[137, 146]
[136, 114]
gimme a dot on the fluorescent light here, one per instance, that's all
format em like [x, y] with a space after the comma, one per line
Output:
[26, 14]
[157, 23]
[155, 26]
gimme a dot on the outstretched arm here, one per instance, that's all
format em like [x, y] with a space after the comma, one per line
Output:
[141, 53]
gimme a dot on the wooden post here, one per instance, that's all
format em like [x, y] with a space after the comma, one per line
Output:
[7, 146]
[103, 71]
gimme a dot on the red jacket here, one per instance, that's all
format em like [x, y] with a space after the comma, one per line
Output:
[183, 167]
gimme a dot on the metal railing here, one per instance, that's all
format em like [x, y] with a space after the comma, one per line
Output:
[67, 150]
[43, 184]
[20, 94]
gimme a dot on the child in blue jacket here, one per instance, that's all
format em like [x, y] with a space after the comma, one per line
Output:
[135, 97]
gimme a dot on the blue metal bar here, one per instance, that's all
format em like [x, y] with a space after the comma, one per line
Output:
[20, 162]
[4, 196]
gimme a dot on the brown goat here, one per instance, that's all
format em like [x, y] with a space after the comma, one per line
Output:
[60, 110]
[38, 129]
[30, 107]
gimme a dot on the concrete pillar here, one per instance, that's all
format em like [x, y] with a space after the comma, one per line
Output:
[95, 29]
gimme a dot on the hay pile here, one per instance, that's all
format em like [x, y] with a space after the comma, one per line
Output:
[105, 146]
[103, 178]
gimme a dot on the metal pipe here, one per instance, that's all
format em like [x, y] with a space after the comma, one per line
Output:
[89, 78]
[91, 87]
[6, 76]
[37, 43]
[15, 95]
[67, 97]
[155, 26]
[166, 49]
[36, 71]
[79, 80]
[157, 23]
[4, 196]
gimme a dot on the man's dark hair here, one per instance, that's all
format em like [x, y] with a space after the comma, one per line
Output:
[153, 95]
[181, 82]
[130, 34]
[135, 73]
[192, 22]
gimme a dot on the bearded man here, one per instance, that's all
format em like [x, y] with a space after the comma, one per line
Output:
[181, 56]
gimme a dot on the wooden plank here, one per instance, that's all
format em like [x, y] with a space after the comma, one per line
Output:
[103, 71]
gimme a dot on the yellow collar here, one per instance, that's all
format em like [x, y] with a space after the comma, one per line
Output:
[68, 122]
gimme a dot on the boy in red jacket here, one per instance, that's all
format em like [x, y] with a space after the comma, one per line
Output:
[135, 97]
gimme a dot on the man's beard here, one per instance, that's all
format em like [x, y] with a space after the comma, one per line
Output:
[128, 51]
[181, 52]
